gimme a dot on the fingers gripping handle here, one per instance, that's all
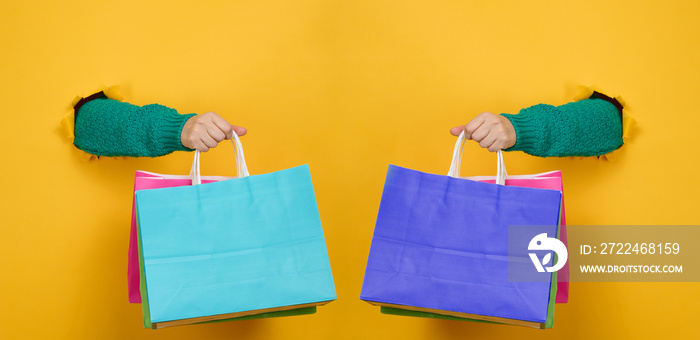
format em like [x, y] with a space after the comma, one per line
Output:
[456, 167]
[241, 167]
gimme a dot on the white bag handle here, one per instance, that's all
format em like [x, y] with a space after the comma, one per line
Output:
[456, 166]
[241, 167]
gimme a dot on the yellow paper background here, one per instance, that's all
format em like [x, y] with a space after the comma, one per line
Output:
[347, 87]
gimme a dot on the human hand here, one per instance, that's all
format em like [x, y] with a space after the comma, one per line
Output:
[205, 131]
[493, 132]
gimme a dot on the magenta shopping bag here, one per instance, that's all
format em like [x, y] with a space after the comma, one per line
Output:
[149, 180]
[547, 180]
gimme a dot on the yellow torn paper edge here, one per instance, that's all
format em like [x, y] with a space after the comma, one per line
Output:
[628, 123]
[68, 123]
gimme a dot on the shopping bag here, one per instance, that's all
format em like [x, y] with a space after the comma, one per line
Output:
[149, 180]
[440, 245]
[546, 180]
[232, 248]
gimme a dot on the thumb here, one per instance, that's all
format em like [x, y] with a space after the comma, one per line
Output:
[455, 131]
[239, 130]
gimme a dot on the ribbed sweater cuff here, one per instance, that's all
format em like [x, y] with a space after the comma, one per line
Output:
[171, 130]
[525, 131]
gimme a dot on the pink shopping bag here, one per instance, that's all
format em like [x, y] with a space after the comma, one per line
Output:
[149, 180]
[548, 180]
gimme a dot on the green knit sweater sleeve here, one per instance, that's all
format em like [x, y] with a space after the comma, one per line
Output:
[106, 127]
[590, 127]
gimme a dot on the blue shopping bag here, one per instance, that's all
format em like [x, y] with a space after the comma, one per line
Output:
[227, 249]
[440, 245]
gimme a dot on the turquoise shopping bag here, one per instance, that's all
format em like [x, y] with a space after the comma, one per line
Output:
[237, 247]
